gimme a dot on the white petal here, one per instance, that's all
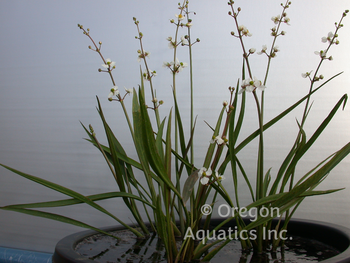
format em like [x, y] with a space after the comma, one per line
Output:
[219, 140]
[204, 180]
[209, 171]
[261, 87]
[128, 90]
[203, 169]
[241, 91]
[250, 88]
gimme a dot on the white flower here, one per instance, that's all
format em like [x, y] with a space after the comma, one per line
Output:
[180, 17]
[183, 65]
[166, 65]
[244, 31]
[217, 139]
[328, 38]
[184, 41]
[321, 53]
[204, 173]
[276, 49]
[177, 66]
[114, 92]
[276, 19]
[109, 63]
[286, 20]
[305, 75]
[252, 50]
[171, 44]
[263, 50]
[250, 85]
[142, 54]
[129, 91]
[219, 177]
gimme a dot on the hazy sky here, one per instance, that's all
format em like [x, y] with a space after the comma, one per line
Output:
[49, 80]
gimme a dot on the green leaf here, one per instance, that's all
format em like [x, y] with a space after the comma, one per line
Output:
[211, 147]
[168, 155]
[56, 217]
[306, 146]
[70, 193]
[73, 201]
[188, 186]
[159, 140]
[151, 153]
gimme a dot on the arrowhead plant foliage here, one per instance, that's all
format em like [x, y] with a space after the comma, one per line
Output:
[176, 189]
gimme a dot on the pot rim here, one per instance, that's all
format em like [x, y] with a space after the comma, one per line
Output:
[331, 234]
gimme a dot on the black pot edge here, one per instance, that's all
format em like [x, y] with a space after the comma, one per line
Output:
[331, 234]
[328, 233]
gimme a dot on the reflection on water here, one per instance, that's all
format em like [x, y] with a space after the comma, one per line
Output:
[104, 249]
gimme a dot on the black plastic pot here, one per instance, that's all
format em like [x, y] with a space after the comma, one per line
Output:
[329, 234]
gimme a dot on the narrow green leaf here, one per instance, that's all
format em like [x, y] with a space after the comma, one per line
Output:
[70, 193]
[56, 217]
[73, 201]
[152, 154]
[211, 147]
[313, 138]
[188, 186]
[159, 140]
[168, 147]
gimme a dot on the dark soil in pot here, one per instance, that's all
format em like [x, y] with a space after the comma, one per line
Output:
[307, 242]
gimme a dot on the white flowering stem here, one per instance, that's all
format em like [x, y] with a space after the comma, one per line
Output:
[245, 54]
[191, 83]
[109, 71]
[271, 52]
[149, 74]
[174, 70]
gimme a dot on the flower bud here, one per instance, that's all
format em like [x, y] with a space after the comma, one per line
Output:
[91, 129]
